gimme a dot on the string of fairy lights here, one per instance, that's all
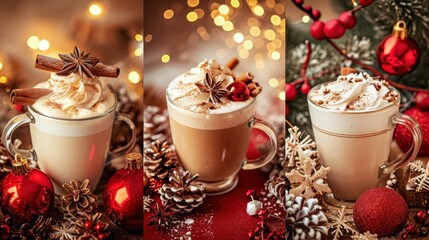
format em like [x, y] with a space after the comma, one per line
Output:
[256, 29]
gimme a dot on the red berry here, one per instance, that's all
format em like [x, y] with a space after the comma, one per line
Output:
[365, 3]
[18, 107]
[404, 236]
[316, 14]
[307, 8]
[263, 213]
[251, 235]
[239, 91]
[334, 29]
[299, 2]
[316, 30]
[290, 91]
[102, 236]
[422, 100]
[88, 225]
[87, 236]
[348, 19]
[420, 216]
[100, 226]
[257, 230]
[250, 192]
[411, 229]
[305, 88]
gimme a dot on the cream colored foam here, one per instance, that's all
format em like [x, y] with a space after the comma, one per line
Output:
[74, 98]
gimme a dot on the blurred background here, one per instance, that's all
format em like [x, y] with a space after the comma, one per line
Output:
[180, 34]
[110, 30]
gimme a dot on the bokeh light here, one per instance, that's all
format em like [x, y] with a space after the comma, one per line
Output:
[282, 95]
[273, 82]
[192, 16]
[193, 3]
[95, 9]
[238, 37]
[168, 14]
[258, 10]
[33, 42]
[305, 19]
[223, 9]
[134, 77]
[44, 45]
[138, 37]
[228, 26]
[165, 58]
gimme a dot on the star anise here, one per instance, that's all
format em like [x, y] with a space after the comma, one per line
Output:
[213, 88]
[161, 216]
[77, 61]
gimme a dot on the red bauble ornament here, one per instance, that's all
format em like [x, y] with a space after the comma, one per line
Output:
[334, 29]
[316, 30]
[365, 3]
[305, 88]
[404, 138]
[422, 100]
[123, 196]
[258, 145]
[348, 19]
[290, 91]
[398, 54]
[239, 91]
[381, 211]
[26, 193]
[420, 216]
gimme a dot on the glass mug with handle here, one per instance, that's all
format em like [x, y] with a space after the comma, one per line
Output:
[67, 149]
[356, 145]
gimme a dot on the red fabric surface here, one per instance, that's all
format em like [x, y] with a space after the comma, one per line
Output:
[219, 217]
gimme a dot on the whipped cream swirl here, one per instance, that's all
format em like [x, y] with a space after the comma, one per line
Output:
[186, 95]
[74, 97]
[355, 92]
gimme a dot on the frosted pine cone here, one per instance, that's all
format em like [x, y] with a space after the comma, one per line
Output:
[182, 192]
[304, 218]
[156, 125]
[277, 185]
[159, 160]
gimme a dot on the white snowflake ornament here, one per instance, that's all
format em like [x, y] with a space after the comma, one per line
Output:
[298, 149]
[421, 181]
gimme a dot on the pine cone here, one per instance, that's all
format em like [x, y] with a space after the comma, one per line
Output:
[156, 126]
[277, 184]
[36, 231]
[304, 218]
[79, 200]
[159, 159]
[181, 191]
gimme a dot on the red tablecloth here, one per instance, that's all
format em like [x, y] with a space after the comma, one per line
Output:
[219, 217]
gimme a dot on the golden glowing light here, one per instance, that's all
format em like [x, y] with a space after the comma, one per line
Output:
[148, 38]
[43, 45]
[260, 64]
[138, 52]
[95, 9]
[214, 14]
[305, 19]
[278, 43]
[275, 55]
[243, 53]
[252, 2]
[258, 10]
[270, 3]
[235, 3]
[228, 26]
[33, 42]
[199, 12]
[270, 34]
[279, 8]
[134, 77]
[168, 14]
[273, 82]
[1, 66]
[220, 53]
[192, 16]
[282, 96]
[248, 44]
[138, 37]
[223, 9]
[165, 58]
[3, 80]
[276, 20]
[255, 31]
[219, 20]
[238, 37]
[193, 3]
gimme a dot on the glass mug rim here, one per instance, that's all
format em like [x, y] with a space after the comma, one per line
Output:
[311, 102]
[31, 109]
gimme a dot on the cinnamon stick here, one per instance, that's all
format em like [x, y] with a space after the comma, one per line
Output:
[346, 71]
[245, 78]
[231, 64]
[55, 65]
[255, 92]
[27, 96]
[252, 86]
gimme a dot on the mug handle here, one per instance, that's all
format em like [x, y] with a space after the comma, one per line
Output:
[124, 149]
[8, 131]
[401, 161]
[269, 130]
